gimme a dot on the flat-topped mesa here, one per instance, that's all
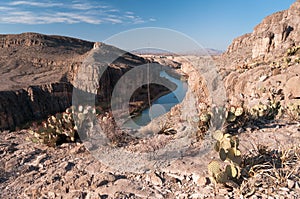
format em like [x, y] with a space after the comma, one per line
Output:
[36, 39]
[273, 36]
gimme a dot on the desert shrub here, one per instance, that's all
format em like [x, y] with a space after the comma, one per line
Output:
[293, 50]
[293, 111]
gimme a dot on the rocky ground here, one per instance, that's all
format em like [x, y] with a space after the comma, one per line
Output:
[32, 170]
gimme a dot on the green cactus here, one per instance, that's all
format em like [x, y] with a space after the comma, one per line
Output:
[234, 113]
[218, 135]
[61, 125]
[292, 51]
[205, 117]
[226, 142]
[221, 177]
[232, 171]
[239, 112]
[214, 168]
[231, 117]
[227, 147]
[217, 146]
[223, 154]
[293, 110]
[266, 111]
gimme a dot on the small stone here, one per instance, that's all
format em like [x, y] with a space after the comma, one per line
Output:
[290, 184]
[241, 130]
[11, 165]
[77, 149]
[263, 78]
[51, 194]
[284, 189]
[92, 195]
[248, 129]
[188, 178]
[181, 178]
[196, 195]
[154, 179]
[297, 186]
[202, 181]
[223, 192]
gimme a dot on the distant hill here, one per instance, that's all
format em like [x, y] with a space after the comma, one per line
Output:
[151, 51]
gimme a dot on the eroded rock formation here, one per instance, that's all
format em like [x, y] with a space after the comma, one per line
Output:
[258, 63]
[272, 36]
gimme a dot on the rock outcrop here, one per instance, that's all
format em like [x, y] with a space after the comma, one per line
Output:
[272, 36]
[258, 65]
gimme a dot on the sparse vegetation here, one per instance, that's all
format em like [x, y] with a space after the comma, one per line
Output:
[293, 50]
[61, 127]
[293, 111]
[266, 168]
[246, 173]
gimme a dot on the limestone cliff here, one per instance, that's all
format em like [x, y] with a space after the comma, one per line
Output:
[272, 36]
[258, 64]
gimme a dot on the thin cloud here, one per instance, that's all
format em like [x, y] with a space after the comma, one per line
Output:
[79, 18]
[114, 20]
[69, 12]
[36, 4]
[86, 6]
[2, 8]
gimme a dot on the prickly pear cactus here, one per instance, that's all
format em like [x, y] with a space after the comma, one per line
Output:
[227, 147]
[265, 111]
[61, 127]
[236, 116]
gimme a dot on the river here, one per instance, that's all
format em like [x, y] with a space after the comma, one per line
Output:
[160, 106]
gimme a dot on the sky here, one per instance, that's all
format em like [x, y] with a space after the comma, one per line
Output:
[211, 23]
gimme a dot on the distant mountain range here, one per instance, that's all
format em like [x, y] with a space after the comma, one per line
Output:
[203, 52]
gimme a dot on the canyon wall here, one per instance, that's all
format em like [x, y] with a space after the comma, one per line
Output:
[38, 74]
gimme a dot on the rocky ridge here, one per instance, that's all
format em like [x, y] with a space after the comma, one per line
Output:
[261, 61]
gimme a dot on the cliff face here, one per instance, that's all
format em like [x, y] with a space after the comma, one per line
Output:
[38, 72]
[33, 103]
[258, 64]
[272, 36]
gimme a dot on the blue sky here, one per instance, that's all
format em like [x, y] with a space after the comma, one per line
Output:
[212, 23]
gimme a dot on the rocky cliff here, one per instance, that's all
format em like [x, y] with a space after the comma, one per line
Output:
[265, 63]
[273, 36]
[37, 75]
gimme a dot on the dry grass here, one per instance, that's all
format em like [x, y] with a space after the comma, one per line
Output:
[267, 171]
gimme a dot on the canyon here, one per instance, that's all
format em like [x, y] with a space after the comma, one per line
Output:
[39, 73]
